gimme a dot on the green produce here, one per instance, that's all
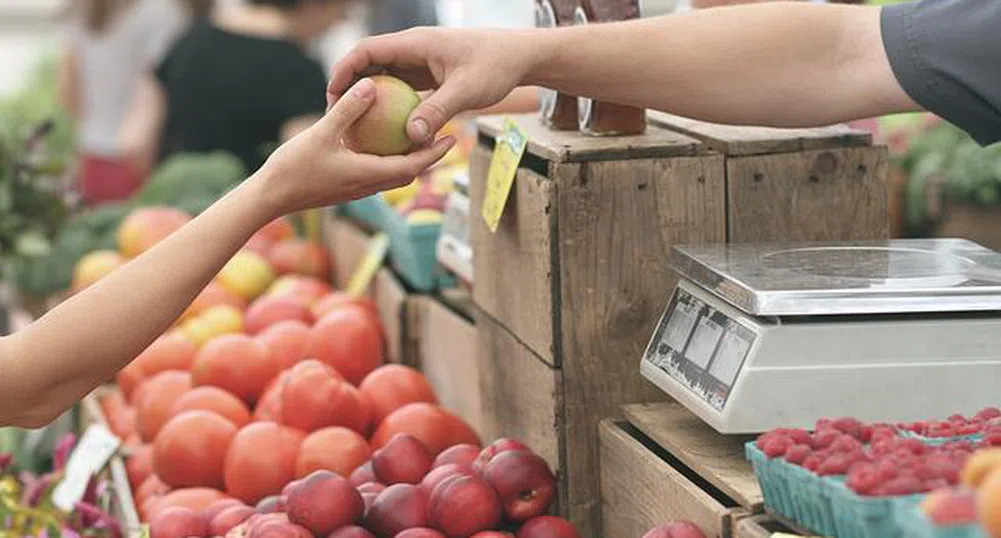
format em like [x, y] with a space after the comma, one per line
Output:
[192, 182]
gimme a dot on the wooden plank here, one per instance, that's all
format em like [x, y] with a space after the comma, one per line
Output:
[391, 301]
[757, 527]
[617, 223]
[459, 300]
[573, 146]
[521, 394]
[824, 195]
[719, 459]
[347, 244]
[742, 140]
[447, 354]
[640, 491]
[513, 266]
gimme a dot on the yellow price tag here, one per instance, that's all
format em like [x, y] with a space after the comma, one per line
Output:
[369, 265]
[503, 166]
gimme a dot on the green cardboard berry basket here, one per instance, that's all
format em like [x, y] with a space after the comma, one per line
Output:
[938, 441]
[366, 210]
[857, 516]
[792, 492]
[914, 524]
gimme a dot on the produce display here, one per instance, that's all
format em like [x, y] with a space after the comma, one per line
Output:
[268, 410]
[27, 508]
[847, 478]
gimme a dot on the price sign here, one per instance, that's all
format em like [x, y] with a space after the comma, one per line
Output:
[510, 147]
[369, 265]
[454, 251]
[96, 447]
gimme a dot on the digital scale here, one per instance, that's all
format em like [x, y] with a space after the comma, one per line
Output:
[757, 337]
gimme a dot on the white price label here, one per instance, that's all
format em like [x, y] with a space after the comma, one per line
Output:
[94, 450]
[703, 343]
[730, 356]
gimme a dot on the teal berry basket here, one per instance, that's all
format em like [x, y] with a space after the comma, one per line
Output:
[366, 210]
[413, 251]
[939, 441]
[792, 492]
[914, 524]
[856, 516]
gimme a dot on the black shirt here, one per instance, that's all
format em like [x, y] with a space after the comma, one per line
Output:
[233, 92]
[947, 56]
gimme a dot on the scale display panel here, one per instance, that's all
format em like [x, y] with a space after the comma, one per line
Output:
[700, 347]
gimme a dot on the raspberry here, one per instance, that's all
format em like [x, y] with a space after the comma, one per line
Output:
[902, 485]
[882, 435]
[848, 426]
[796, 454]
[915, 446]
[989, 413]
[917, 427]
[836, 464]
[887, 469]
[933, 484]
[956, 418]
[822, 424]
[857, 455]
[969, 429]
[813, 461]
[941, 429]
[777, 446]
[845, 443]
[823, 438]
[864, 480]
[800, 437]
[883, 447]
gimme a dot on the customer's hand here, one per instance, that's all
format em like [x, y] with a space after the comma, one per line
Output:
[467, 69]
[315, 169]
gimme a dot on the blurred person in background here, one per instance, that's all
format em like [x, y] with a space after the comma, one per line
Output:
[240, 81]
[387, 16]
[110, 44]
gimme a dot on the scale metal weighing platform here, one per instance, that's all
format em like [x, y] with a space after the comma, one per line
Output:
[757, 337]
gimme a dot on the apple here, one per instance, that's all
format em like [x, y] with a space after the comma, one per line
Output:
[382, 130]
[676, 529]
[177, 522]
[300, 256]
[440, 474]
[353, 531]
[403, 460]
[363, 474]
[228, 519]
[523, 481]
[371, 487]
[400, 507]
[276, 526]
[420, 532]
[463, 505]
[324, 502]
[463, 455]
[548, 527]
[491, 451]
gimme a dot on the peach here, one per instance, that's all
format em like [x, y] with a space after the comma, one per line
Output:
[287, 342]
[353, 531]
[304, 290]
[463, 505]
[463, 455]
[382, 130]
[324, 502]
[229, 518]
[988, 499]
[548, 527]
[523, 481]
[95, 266]
[336, 449]
[145, 227]
[404, 460]
[490, 452]
[267, 311]
[177, 522]
[400, 507]
[676, 529]
[979, 465]
[247, 275]
[301, 257]
[315, 396]
[949, 506]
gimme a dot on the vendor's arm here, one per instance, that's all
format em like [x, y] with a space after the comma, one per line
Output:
[784, 64]
[51, 364]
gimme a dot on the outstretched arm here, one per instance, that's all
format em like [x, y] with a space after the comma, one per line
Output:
[51, 364]
[785, 64]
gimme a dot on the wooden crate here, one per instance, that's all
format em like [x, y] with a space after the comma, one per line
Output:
[348, 244]
[822, 184]
[663, 464]
[447, 353]
[124, 507]
[573, 281]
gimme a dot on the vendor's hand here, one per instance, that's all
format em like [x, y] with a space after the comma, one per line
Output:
[315, 169]
[467, 69]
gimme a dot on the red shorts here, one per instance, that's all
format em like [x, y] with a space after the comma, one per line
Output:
[103, 180]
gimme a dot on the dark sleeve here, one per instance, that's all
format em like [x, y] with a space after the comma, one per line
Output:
[304, 92]
[947, 56]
